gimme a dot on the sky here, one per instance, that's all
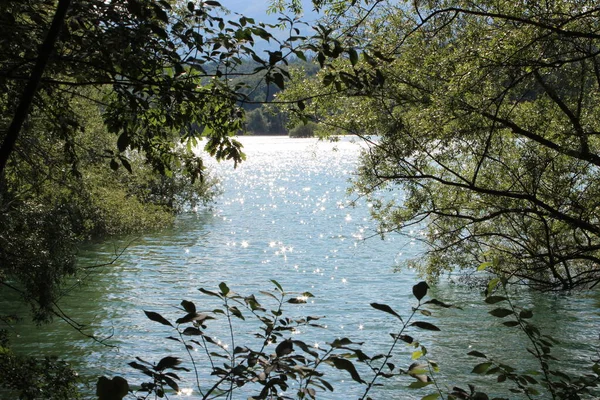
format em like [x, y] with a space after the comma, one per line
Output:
[257, 9]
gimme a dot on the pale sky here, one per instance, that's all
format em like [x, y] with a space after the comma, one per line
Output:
[257, 9]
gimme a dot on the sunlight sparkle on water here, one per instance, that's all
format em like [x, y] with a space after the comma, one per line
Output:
[185, 392]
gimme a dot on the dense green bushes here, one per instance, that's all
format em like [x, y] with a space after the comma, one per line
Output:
[57, 192]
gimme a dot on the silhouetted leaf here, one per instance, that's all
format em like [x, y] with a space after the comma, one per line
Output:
[420, 290]
[387, 309]
[157, 318]
[172, 384]
[495, 299]
[343, 342]
[476, 354]
[353, 56]
[439, 303]
[126, 164]
[188, 306]
[501, 312]
[139, 366]
[425, 325]
[305, 347]
[526, 314]
[405, 338]
[167, 362]
[198, 317]
[284, 348]
[111, 389]
[208, 292]
[192, 331]
[236, 312]
[346, 365]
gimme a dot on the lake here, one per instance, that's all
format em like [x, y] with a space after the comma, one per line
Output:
[285, 214]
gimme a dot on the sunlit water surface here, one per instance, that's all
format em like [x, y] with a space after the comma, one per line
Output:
[285, 215]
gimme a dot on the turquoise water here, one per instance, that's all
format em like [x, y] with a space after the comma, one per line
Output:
[285, 214]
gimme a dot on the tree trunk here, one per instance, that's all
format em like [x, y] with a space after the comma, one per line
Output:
[22, 111]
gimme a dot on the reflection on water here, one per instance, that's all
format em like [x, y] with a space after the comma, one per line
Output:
[285, 215]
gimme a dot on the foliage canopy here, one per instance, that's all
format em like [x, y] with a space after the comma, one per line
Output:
[486, 117]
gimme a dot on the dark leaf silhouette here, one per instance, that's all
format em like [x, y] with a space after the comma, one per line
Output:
[188, 306]
[387, 309]
[420, 290]
[425, 325]
[346, 365]
[157, 318]
[501, 312]
[167, 362]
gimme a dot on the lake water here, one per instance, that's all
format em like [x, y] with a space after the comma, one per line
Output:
[285, 215]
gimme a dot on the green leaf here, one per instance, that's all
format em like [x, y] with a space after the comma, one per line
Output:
[431, 396]
[481, 368]
[157, 318]
[492, 284]
[277, 285]
[484, 265]
[419, 385]
[387, 309]
[224, 288]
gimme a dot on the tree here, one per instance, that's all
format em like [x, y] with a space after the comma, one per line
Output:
[486, 116]
[130, 84]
